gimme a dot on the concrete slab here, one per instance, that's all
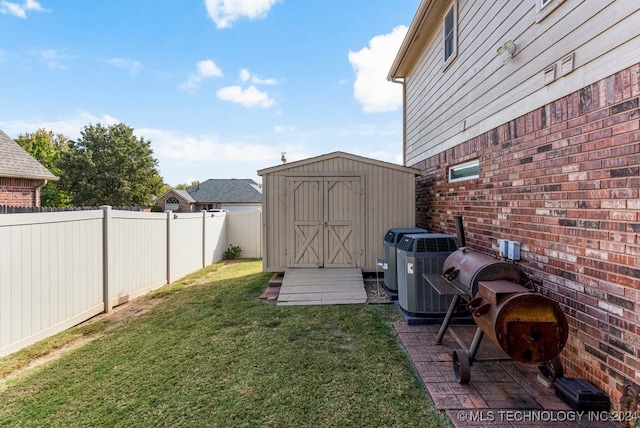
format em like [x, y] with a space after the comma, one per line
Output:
[322, 287]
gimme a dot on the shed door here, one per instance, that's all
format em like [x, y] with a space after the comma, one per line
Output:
[324, 221]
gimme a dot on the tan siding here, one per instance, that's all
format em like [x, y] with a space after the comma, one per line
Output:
[488, 92]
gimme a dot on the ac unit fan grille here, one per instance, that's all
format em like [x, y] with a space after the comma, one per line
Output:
[390, 236]
[406, 244]
[437, 245]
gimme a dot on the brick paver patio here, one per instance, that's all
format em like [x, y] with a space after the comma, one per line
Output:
[502, 393]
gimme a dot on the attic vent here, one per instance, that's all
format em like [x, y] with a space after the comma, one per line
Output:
[566, 65]
[549, 74]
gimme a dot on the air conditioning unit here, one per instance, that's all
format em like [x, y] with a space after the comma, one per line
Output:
[418, 254]
[390, 244]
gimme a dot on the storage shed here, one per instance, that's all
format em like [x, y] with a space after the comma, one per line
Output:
[333, 211]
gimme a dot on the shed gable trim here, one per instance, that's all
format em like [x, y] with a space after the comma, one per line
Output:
[334, 155]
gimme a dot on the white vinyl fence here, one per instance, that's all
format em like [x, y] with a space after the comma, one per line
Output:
[60, 269]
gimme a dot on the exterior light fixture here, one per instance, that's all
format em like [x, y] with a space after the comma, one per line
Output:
[507, 50]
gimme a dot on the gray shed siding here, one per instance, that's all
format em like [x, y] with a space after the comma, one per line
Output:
[384, 197]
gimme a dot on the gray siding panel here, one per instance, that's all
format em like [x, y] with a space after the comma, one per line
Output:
[486, 92]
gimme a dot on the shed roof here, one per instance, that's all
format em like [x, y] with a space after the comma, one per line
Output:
[227, 191]
[343, 155]
[15, 162]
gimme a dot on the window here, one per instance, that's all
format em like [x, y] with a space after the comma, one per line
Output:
[450, 34]
[545, 7]
[172, 204]
[465, 171]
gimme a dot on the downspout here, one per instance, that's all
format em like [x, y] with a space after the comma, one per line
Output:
[38, 193]
[404, 112]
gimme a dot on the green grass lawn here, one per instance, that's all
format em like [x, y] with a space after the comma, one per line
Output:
[211, 353]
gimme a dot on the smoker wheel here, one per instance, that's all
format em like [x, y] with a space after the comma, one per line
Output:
[461, 366]
[552, 370]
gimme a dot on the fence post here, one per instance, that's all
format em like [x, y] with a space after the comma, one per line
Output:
[169, 217]
[107, 243]
[259, 232]
[204, 238]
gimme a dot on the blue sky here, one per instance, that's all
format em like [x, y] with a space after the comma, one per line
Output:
[219, 87]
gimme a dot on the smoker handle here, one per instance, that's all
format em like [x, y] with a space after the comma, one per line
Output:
[478, 306]
[451, 273]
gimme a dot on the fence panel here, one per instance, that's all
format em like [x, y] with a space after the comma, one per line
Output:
[215, 237]
[59, 269]
[137, 254]
[244, 229]
[51, 274]
[185, 244]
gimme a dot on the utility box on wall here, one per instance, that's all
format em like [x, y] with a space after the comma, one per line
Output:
[509, 249]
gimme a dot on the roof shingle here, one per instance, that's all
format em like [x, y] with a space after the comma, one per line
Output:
[15, 162]
[227, 191]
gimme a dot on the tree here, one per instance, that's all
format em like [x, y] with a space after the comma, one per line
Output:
[48, 149]
[110, 166]
[185, 186]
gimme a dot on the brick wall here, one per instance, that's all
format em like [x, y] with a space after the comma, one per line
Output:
[185, 206]
[20, 192]
[564, 180]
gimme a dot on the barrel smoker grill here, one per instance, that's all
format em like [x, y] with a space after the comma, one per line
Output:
[529, 327]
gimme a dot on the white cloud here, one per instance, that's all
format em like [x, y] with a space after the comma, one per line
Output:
[258, 81]
[134, 67]
[224, 12]
[371, 65]
[393, 157]
[69, 127]
[185, 147]
[279, 129]
[54, 58]
[249, 97]
[206, 69]
[20, 9]
[246, 76]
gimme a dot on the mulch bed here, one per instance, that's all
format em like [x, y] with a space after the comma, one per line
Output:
[375, 292]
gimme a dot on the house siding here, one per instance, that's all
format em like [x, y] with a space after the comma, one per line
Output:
[564, 180]
[478, 91]
[20, 192]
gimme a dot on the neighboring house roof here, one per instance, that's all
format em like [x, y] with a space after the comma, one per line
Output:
[184, 195]
[343, 155]
[227, 191]
[15, 162]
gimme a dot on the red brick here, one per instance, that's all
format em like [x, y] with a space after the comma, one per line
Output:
[573, 205]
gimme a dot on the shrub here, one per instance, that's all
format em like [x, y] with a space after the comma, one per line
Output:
[233, 252]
